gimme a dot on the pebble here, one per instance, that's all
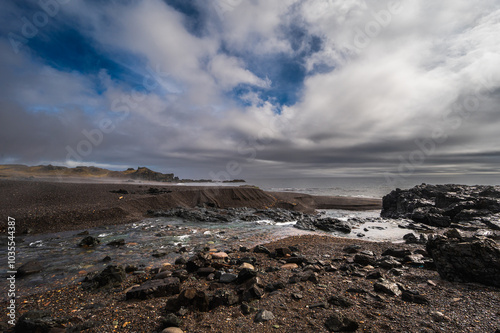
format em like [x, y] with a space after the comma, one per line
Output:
[172, 330]
[263, 315]
[219, 255]
[439, 316]
[247, 266]
[290, 266]
[228, 278]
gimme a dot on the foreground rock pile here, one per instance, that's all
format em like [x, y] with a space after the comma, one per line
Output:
[458, 206]
[292, 284]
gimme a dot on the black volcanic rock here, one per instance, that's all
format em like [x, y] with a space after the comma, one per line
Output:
[442, 205]
[325, 224]
[466, 260]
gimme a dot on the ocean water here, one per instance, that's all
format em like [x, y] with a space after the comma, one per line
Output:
[368, 187]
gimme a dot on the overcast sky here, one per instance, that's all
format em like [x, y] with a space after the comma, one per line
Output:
[253, 88]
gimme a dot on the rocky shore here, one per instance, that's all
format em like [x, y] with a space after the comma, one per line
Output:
[298, 284]
[447, 279]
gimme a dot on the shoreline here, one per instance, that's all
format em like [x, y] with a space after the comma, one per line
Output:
[44, 206]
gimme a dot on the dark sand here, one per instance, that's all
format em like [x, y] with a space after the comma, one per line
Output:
[50, 206]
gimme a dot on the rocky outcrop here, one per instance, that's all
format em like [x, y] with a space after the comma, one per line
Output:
[445, 205]
[466, 260]
[325, 224]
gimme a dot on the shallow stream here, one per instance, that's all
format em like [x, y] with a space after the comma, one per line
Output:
[155, 241]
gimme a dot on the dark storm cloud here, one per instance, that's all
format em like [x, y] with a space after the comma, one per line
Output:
[278, 87]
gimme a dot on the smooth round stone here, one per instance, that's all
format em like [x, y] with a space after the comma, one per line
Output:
[290, 266]
[172, 330]
[219, 255]
[247, 266]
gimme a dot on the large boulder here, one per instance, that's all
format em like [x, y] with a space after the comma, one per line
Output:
[442, 205]
[325, 224]
[466, 260]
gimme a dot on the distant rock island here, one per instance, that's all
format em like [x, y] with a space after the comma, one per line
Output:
[51, 171]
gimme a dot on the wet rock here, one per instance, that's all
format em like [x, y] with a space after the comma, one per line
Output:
[387, 287]
[228, 278]
[31, 267]
[89, 241]
[339, 323]
[155, 288]
[466, 260]
[196, 262]
[261, 249]
[110, 276]
[117, 242]
[38, 321]
[205, 271]
[297, 296]
[180, 261]
[340, 301]
[263, 315]
[414, 297]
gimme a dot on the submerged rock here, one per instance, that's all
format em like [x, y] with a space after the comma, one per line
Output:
[89, 241]
[31, 267]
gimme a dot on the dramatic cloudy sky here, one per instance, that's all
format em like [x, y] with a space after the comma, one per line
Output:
[253, 88]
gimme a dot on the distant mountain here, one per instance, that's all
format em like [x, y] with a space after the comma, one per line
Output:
[142, 173]
[51, 171]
